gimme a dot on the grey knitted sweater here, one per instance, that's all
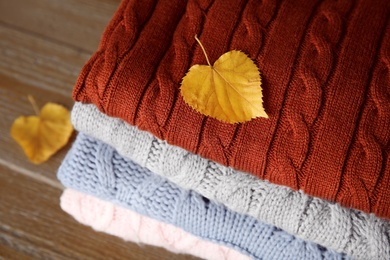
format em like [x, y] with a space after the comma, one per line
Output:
[353, 232]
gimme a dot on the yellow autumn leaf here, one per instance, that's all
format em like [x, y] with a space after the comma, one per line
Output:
[43, 135]
[229, 90]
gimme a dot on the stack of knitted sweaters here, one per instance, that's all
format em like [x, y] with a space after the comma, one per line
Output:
[310, 182]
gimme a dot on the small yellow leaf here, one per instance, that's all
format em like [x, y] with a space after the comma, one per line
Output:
[43, 135]
[229, 90]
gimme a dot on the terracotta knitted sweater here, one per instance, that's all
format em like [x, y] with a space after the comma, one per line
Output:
[326, 83]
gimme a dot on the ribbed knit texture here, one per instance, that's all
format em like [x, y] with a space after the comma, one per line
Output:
[97, 169]
[325, 70]
[107, 217]
[345, 230]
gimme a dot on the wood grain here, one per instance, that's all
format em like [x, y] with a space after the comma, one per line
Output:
[38, 62]
[76, 23]
[44, 69]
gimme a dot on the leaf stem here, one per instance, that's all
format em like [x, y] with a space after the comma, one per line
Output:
[204, 51]
[33, 104]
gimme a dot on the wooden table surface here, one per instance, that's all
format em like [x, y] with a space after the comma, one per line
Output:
[43, 45]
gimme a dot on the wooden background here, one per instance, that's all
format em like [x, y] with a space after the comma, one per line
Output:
[43, 45]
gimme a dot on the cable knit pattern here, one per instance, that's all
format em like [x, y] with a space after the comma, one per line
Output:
[366, 152]
[106, 217]
[345, 230]
[321, 64]
[97, 169]
[305, 93]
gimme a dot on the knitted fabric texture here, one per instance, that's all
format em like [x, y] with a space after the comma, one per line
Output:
[106, 217]
[345, 230]
[325, 70]
[97, 169]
